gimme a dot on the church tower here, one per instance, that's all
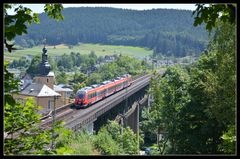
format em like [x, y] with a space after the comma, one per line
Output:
[44, 66]
[46, 76]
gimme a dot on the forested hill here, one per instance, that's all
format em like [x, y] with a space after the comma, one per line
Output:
[167, 31]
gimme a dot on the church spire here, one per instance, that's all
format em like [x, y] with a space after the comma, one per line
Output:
[45, 67]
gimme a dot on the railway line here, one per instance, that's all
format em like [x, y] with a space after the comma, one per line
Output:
[70, 115]
[73, 117]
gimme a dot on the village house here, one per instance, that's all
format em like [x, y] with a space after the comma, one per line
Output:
[43, 89]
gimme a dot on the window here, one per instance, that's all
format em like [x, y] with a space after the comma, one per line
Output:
[81, 95]
[92, 95]
[102, 92]
[49, 104]
[47, 80]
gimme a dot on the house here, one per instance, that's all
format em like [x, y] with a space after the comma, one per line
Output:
[25, 81]
[42, 88]
[64, 92]
[43, 95]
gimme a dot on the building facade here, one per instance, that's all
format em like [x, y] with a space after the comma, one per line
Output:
[43, 90]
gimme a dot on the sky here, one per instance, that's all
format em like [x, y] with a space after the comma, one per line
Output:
[38, 8]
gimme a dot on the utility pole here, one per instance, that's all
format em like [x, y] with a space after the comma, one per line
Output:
[126, 104]
[122, 117]
[53, 121]
[148, 102]
[122, 131]
[138, 127]
[152, 65]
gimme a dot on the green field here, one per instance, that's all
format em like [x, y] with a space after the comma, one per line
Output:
[100, 50]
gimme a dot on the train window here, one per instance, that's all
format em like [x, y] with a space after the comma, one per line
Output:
[81, 94]
[111, 88]
[94, 94]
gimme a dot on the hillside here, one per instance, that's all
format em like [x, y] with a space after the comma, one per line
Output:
[99, 50]
[166, 31]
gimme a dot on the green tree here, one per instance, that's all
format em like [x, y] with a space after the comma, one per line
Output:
[223, 50]
[72, 143]
[21, 119]
[79, 77]
[24, 119]
[170, 97]
[213, 13]
[53, 64]
[34, 69]
[17, 116]
[21, 63]
[94, 78]
[127, 141]
[105, 143]
[77, 86]
[16, 24]
[197, 107]
[109, 140]
[62, 78]
[66, 61]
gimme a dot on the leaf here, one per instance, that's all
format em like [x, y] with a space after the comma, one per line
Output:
[35, 18]
[209, 26]
[9, 99]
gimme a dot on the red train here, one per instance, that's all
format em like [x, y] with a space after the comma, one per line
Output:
[94, 93]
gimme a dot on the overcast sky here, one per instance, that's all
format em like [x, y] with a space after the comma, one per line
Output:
[38, 8]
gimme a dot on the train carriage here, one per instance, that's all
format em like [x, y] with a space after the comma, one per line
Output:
[89, 95]
[101, 92]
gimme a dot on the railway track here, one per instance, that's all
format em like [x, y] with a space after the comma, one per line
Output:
[67, 114]
[100, 108]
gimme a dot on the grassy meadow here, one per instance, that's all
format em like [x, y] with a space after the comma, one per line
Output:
[100, 50]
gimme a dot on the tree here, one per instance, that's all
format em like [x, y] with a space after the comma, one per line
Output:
[16, 24]
[52, 63]
[105, 143]
[34, 69]
[198, 108]
[170, 96]
[79, 77]
[116, 143]
[66, 62]
[205, 100]
[77, 86]
[94, 78]
[124, 30]
[78, 59]
[223, 47]
[21, 117]
[21, 63]
[210, 15]
[62, 78]
[16, 115]
[24, 117]
[128, 140]
[71, 143]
